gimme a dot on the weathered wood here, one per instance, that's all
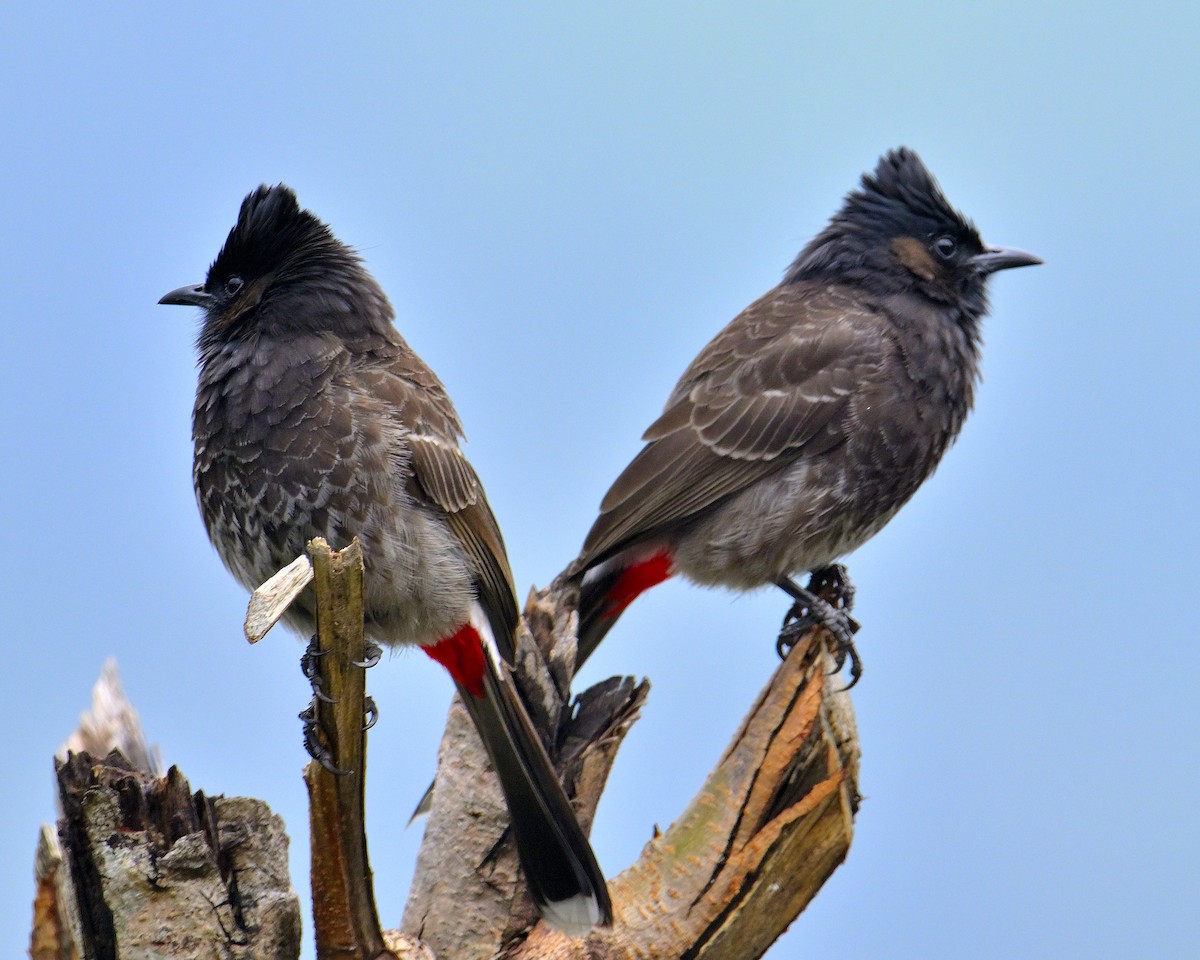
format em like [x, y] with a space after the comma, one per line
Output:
[112, 724]
[345, 921]
[270, 601]
[56, 933]
[150, 869]
[770, 824]
[144, 867]
[93, 897]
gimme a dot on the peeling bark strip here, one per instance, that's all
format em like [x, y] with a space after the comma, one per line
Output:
[152, 869]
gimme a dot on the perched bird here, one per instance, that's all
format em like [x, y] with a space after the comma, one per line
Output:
[314, 418]
[806, 423]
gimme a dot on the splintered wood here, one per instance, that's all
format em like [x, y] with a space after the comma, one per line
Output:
[270, 601]
[771, 823]
[141, 866]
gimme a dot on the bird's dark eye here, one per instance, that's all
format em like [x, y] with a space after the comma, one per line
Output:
[945, 247]
[233, 286]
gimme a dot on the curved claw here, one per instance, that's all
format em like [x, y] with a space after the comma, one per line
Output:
[371, 713]
[321, 755]
[843, 629]
[783, 645]
[797, 623]
[847, 651]
[308, 663]
[839, 659]
[308, 666]
[319, 693]
[312, 744]
[856, 669]
[373, 654]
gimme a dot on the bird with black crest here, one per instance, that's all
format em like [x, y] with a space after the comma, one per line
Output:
[314, 418]
[807, 422]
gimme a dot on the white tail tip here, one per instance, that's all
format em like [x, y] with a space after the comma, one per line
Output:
[575, 916]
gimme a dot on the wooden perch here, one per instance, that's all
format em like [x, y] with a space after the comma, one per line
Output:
[345, 921]
[770, 824]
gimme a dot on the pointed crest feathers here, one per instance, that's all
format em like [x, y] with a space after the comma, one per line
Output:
[899, 198]
[270, 228]
[900, 193]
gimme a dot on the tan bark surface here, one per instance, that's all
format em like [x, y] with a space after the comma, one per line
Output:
[141, 867]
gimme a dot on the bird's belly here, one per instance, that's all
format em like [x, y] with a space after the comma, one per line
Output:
[417, 586]
[802, 518]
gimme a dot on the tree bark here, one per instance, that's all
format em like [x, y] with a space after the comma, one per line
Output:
[771, 823]
[142, 867]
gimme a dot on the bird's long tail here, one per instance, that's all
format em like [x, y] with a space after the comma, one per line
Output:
[559, 866]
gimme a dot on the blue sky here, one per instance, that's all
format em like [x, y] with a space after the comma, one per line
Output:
[564, 203]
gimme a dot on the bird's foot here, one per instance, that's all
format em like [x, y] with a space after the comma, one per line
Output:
[312, 741]
[811, 610]
[371, 656]
[310, 667]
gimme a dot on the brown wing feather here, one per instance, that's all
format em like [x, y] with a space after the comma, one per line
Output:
[776, 384]
[443, 476]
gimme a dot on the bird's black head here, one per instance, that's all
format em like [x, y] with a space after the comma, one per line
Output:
[282, 269]
[898, 232]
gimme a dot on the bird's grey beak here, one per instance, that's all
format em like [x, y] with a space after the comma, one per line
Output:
[193, 295]
[1003, 258]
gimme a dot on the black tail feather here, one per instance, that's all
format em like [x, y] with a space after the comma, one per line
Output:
[595, 616]
[555, 855]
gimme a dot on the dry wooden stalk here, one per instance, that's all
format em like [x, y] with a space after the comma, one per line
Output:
[345, 921]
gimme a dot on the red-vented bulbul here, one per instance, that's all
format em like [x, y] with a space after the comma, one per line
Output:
[314, 418]
[806, 423]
